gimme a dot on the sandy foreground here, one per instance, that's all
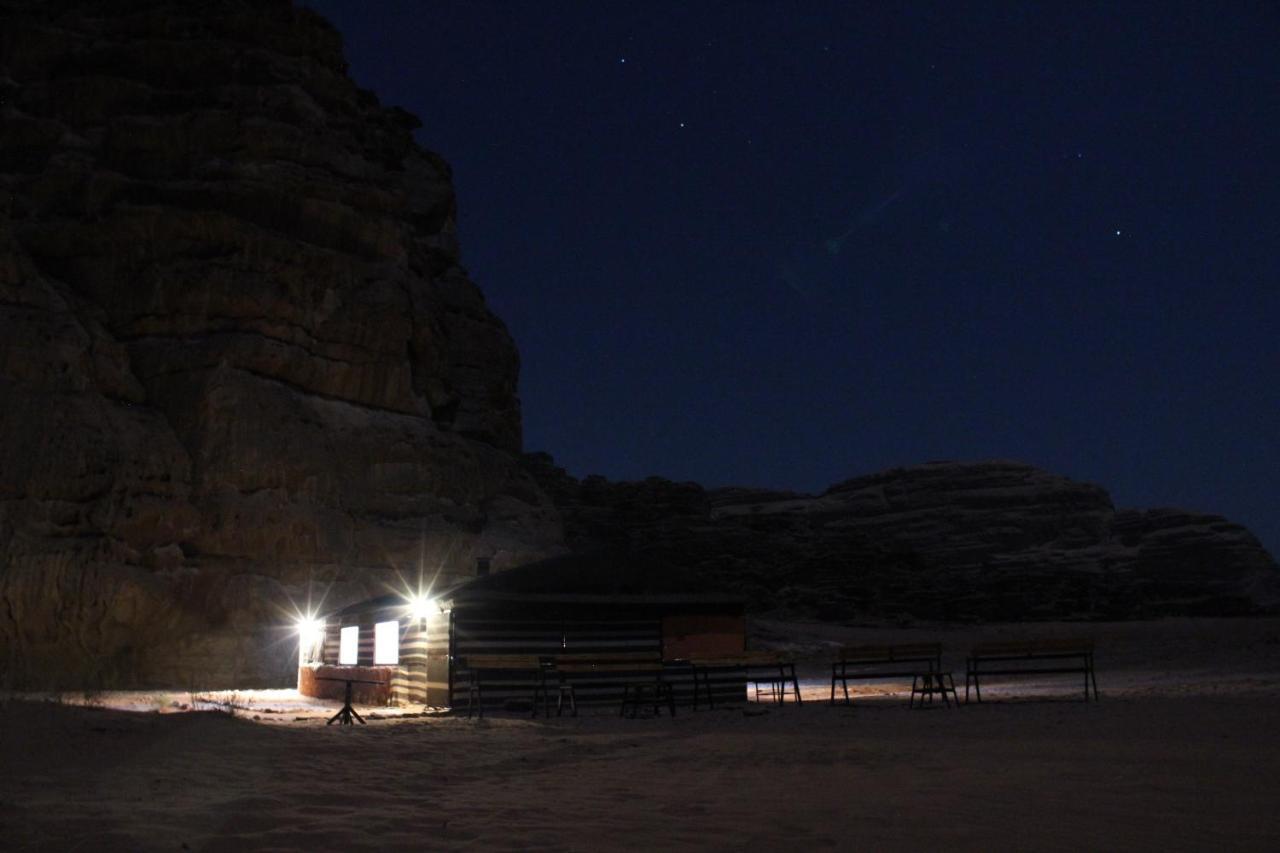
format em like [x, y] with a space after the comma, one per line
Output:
[1182, 753]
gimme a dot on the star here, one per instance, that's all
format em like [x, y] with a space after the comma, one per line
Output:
[1117, 232]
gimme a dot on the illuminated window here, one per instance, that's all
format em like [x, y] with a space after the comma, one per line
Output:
[386, 643]
[348, 645]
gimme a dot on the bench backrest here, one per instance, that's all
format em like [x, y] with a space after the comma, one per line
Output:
[888, 654]
[1031, 648]
[501, 662]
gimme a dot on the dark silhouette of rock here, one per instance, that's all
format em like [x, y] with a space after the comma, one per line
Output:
[946, 540]
[239, 358]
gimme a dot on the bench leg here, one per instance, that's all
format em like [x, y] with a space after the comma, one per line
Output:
[795, 682]
[977, 688]
[842, 677]
[706, 681]
[567, 690]
[473, 697]
[662, 690]
[1094, 677]
[844, 683]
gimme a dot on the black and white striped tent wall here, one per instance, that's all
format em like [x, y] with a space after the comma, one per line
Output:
[546, 627]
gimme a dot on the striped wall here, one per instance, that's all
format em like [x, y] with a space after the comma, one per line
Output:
[409, 684]
[491, 633]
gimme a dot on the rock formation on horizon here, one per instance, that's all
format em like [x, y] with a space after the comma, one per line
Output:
[240, 362]
[940, 541]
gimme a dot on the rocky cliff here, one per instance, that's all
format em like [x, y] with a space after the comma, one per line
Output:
[240, 363]
[947, 540]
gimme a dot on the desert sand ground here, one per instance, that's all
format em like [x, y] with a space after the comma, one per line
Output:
[1182, 753]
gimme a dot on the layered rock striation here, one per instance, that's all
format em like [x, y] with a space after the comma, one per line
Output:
[241, 365]
[947, 540]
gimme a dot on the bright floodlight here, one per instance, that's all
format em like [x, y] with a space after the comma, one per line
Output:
[309, 633]
[419, 607]
[309, 630]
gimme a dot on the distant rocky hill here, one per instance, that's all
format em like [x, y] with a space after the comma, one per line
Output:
[239, 358]
[945, 540]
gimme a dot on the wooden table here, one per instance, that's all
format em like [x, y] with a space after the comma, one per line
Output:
[344, 716]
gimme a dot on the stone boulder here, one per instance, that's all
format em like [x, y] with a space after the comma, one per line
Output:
[242, 369]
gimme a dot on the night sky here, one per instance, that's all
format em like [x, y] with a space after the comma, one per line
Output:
[743, 244]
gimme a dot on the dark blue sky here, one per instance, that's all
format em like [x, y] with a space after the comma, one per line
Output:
[740, 243]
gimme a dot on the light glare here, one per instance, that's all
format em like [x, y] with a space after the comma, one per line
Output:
[309, 630]
[419, 607]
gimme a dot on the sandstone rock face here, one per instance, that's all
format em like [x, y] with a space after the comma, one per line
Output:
[955, 541]
[240, 363]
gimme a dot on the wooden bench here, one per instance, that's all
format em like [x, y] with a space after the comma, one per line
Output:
[1031, 657]
[640, 673]
[878, 662]
[525, 665]
[777, 669]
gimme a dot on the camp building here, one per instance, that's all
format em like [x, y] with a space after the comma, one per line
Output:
[413, 652]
